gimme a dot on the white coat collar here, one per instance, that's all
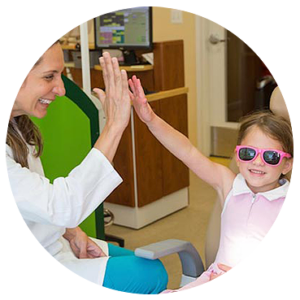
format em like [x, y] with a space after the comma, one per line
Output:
[240, 187]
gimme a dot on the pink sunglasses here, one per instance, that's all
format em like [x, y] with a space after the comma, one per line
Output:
[269, 156]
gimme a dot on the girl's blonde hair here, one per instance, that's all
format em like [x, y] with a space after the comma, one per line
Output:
[274, 126]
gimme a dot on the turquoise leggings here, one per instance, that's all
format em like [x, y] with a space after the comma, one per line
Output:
[128, 273]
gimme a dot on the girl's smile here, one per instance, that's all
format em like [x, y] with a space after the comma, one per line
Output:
[257, 172]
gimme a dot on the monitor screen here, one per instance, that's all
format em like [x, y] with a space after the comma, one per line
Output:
[124, 29]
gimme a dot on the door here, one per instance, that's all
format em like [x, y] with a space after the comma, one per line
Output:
[233, 82]
[211, 79]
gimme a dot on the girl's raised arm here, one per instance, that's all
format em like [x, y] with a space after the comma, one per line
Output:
[218, 176]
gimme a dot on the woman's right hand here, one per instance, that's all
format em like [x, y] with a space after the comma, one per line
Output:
[138, 98]
[115, 100]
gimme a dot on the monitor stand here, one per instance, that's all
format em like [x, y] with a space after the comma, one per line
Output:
[129, 58]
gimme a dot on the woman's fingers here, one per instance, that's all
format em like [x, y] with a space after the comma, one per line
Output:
[109, 73]
[124, 83]
[113, 79]
[117, 75]
[116, 99]
[104, 71]
[101, 95]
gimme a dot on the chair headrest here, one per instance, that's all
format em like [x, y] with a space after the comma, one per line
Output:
[277, 104]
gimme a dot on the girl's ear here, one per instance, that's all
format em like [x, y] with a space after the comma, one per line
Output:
[236, 159]
[288, 165]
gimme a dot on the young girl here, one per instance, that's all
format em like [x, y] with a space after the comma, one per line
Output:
[252, 199]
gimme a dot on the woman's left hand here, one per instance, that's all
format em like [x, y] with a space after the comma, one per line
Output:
[81, 245]
[115, 100]
[116, 106]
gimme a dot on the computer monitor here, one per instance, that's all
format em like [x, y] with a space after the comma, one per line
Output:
[129, 29]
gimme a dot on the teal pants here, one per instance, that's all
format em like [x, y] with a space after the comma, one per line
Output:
[128, 273]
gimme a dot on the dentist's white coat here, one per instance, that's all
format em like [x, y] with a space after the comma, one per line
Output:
[50, 208]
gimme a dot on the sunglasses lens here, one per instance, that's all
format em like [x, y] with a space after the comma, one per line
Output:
[272, 157]
[246, 154]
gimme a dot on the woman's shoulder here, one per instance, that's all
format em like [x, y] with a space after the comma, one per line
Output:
[9, 151]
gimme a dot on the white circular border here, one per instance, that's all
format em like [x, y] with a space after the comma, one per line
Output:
[168, 4]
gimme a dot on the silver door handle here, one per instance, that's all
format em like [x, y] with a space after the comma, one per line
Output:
[214, 39]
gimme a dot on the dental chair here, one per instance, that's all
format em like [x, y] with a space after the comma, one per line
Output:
[192, 264]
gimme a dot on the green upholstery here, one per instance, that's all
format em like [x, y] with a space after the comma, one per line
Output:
[69, 130]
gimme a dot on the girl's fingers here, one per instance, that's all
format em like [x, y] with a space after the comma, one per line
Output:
[140, 92]
[137, 89]
[224, 267]
[131, 96]
[131, 86]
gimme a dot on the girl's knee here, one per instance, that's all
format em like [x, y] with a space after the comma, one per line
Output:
[154, 273]
[136, 275]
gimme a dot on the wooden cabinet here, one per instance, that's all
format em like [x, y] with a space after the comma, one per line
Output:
[158, 172]
[175, 174]
[167, 72]
[169, 65]
[123, 163]
[149, 161]
[155, 183]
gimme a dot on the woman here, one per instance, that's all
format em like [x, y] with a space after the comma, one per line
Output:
[54, 211]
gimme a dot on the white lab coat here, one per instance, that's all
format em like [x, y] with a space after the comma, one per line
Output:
[50, 208]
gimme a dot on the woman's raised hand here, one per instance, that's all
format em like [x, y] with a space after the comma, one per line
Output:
[116, 105]
[115, 100]
[141, 106]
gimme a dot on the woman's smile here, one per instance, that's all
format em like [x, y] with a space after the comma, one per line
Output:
[45, 101]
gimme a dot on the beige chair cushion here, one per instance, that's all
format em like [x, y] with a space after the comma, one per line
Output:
[213, 230]
[277, 104]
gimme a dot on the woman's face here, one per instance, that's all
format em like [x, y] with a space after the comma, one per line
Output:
[41, 86]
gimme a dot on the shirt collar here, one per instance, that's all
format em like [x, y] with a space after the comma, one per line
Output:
[240, 187]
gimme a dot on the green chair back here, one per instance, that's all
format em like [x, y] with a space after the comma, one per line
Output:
[69, 130]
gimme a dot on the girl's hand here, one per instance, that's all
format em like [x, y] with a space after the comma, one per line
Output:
[141, 106]
[115, 100]
[223, 268]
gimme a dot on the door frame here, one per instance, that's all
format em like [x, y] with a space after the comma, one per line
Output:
[211, 82]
